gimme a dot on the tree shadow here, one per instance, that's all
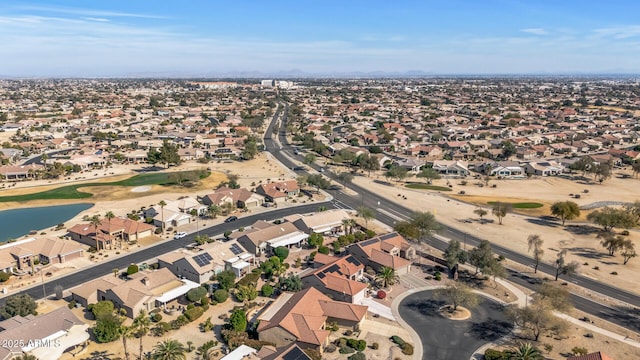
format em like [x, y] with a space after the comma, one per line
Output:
[588, 253]
[429, 307]
[582, 229]
[99, 355]
[544, 222]
[628, 316]
[490, 329]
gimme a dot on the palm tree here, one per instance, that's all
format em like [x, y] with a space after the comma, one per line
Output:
[142, 323]
[367, 214]
[525, 351]
[26, 357]
[346, 223]
[387, 276]
[95, 221]
[109, 215]
[126, 332]
[169, 350]
[162, 204]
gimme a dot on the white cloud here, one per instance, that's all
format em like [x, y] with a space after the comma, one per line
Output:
[96, 19]
[535, 31]
[88, 12]
[619, 32]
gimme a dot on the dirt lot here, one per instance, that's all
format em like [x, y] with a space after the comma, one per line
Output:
[578, 237]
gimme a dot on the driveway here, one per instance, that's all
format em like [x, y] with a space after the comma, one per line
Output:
[445, 339]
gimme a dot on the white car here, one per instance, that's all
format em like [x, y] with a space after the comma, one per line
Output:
[179, 235]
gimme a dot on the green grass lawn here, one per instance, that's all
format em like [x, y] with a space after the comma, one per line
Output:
[71, 191]
[522, 205]
[428, 187]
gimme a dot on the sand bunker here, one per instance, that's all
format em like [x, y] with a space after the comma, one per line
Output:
[139, 189]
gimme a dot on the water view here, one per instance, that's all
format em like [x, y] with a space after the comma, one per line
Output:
[17, 222]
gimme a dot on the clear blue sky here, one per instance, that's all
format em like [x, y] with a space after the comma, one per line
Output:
[112, 38]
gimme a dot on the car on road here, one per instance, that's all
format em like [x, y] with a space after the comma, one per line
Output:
[230, 219]
[321, 170]
[179, 235]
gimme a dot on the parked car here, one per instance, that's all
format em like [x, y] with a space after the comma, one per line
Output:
[230, 219]
[179, 235]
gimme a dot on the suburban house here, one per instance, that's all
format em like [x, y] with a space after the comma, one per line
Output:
[210, 259]
[264, 240]
[339, 279]
[544, 168]
[593, 356]
[451, 167]
[22, 254]
[279, 191]
[321, 222]
[166, 217]
[20, 172]
[110, 231]
[240, 198]
[301, 318]
[389, 250]
[145, 290]
[503, 169]
[45, 336]
[290, 352]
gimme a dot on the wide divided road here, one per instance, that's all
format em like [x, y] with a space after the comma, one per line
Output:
[389, 212]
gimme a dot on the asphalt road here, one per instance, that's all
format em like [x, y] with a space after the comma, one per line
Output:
[149, 253]
[389, 212]
[445, 339]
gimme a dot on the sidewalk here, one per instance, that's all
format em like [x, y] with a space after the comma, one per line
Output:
[522, 300]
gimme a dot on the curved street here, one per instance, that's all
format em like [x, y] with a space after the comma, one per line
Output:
[445, 339]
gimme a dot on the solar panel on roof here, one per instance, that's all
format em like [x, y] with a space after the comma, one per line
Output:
[202, 259]
[368, 242]
[295, 354]
[388, 236]
[332, 268]
[353, 260]
[235, 249]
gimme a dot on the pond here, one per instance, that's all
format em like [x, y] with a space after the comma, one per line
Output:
[17, 222]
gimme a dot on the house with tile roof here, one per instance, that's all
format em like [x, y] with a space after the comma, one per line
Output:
[144, 290]
[291, 352]
[240, 198]
[321, 222]
[110, 231]
[279, 191]
[209, 259]
[45, 336]
[388, 250]
[593, 356]
[22, 255]
[339, 279]
[301, 318]
[264, 240]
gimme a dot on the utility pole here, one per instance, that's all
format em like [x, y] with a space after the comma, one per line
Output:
[44, 292]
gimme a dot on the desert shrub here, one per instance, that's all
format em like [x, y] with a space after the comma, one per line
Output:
[71, 304]
[193, 313]
[576, 350]
[4, 276]
[190, 306]
[624, 232]
[196, 294]
[205, 301]
[267, 290]
[249, 279]
[330, 348]
[398, 340]
[157, 317]
[132, 269]
[346, 350]
[221, 295]
[375, 346]
[361, 345]
[323, 250]
[348, 333]
[493, 354]
[407, 349]
[614, 273]
[357, 356]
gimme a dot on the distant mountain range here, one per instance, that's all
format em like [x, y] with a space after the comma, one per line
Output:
[300, 74]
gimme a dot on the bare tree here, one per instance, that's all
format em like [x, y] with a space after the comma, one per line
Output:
[535, 245]
[562, 268]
